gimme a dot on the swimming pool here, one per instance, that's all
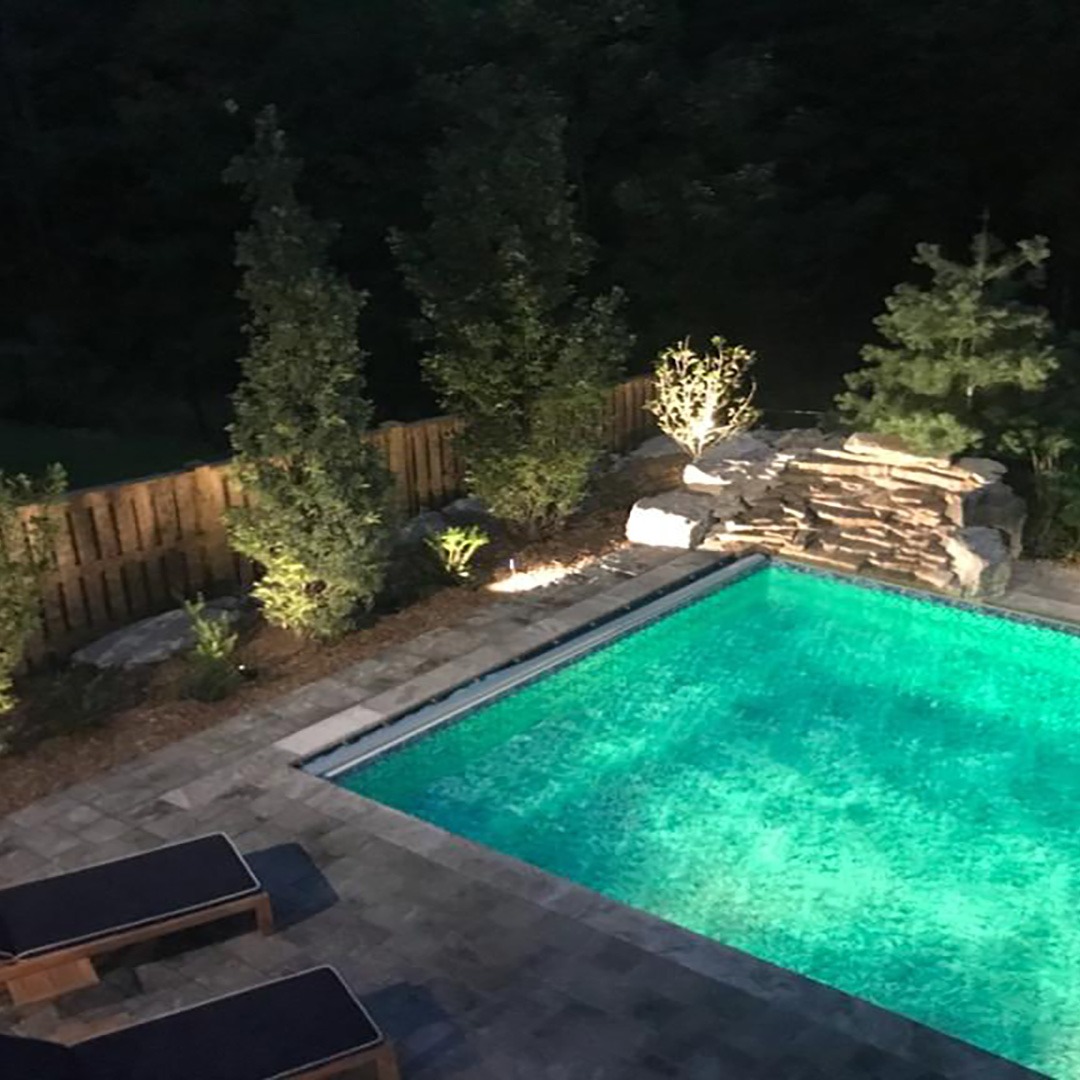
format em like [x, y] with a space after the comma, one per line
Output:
[877, 791]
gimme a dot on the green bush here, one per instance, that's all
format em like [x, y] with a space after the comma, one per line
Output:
[318, 492]
[76, 699]
[516, 346]
[25, 554]
[456, 547]
[213, 673]
[959, 353]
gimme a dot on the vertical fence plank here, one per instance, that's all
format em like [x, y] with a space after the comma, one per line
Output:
[99, 513]
[211, 498]
[418, 447]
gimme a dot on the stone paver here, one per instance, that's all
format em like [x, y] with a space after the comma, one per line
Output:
[477, 965]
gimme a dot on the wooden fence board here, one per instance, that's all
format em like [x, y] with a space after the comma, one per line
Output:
[132, 549]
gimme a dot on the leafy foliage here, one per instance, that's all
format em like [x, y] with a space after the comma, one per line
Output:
[66, 702]
[955, 350]
[317, 522]
[213, 672]
[514, 348]
[25, 553]
[700, 399]
[456, 547]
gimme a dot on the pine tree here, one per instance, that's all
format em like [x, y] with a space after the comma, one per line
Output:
[318, 520]
[513, 348]
[958, 350]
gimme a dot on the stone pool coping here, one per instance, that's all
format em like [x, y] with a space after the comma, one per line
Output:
[397, 877]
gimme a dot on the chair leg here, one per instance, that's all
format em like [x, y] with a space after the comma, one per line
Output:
[386, 1066]
[264, 915]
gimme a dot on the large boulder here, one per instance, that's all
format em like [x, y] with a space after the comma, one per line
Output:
[674, 519]
[152, 640]
[735, 461]
[997, 506]
[981, 561]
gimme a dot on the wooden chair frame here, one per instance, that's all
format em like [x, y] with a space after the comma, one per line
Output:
[383, 1057]
[48, 975]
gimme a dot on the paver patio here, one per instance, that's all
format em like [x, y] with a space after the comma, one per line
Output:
[477, 965]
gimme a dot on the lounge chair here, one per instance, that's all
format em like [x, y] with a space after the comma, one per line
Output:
[308, 1025]
[51, 928]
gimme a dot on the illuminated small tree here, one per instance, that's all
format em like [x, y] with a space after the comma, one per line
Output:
[700, 399]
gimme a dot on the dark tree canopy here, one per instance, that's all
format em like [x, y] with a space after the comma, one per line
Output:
[762, 165]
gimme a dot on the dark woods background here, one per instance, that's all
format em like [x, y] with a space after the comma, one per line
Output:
[761, 168]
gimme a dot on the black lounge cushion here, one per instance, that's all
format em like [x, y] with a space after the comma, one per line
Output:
[77, 907]
[274, 1030]
[33, 1059]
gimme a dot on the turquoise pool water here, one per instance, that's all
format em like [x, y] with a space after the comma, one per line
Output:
[879, 792]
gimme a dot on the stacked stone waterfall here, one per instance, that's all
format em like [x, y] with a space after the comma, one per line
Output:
[861, 503]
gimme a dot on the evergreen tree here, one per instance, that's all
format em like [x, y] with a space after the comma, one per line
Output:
[958, 352]
[513, 348]
[318, 519]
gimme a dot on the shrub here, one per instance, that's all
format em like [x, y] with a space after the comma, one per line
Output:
[516, 347]
[700, 399]
[25, 554]
[456, 546]
[959, 352]
[317, 518]
[213, 673]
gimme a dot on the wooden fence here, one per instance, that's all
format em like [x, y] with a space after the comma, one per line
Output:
[132, 549]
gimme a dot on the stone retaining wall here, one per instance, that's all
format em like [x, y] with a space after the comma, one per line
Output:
[861, 503]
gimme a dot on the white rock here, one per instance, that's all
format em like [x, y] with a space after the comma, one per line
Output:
[675, 519]
[152, 640]
[980, 558]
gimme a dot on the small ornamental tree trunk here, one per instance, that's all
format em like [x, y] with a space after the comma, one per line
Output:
[317, 523]
[960, 352]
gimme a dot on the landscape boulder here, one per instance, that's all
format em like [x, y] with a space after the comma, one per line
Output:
[152, 640]
[981, 561]
[674, 519]
[735, 461]
[997, 506]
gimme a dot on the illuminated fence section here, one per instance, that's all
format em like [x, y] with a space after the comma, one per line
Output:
[127, 550]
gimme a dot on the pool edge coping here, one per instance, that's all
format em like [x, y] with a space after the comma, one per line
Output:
[331, 745]
[332, 735]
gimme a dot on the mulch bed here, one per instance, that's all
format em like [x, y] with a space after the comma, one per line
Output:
[282, 661]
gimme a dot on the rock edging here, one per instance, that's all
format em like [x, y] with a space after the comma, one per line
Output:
[864, 503]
